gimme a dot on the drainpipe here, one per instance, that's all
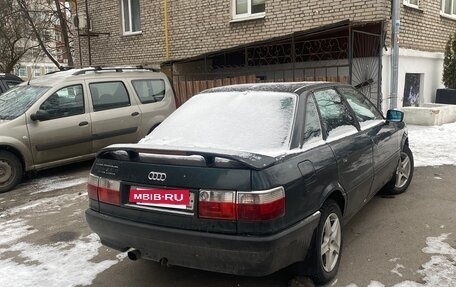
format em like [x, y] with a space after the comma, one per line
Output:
[396, 24]
[165, 3]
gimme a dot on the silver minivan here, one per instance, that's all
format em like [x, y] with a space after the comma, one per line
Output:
[67, 116]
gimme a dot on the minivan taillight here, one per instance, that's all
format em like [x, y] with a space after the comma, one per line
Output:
[103, 189]
[247, 206]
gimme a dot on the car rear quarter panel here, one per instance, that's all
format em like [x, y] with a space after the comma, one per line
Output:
[304, 193]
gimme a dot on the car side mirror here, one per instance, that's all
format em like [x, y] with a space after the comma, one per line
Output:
[40, 115]
[394, 116]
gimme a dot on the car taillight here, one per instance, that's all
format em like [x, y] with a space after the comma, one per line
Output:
[247, 206]
[261, 205]
[103, 189]
[217, 204]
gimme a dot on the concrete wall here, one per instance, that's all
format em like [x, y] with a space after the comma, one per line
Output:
[430, 114]
[429, 64]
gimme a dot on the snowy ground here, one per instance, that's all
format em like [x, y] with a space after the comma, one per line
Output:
[435, 145]
[76, 261]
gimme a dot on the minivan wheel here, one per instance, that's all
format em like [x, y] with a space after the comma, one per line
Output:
[11, 171]
[327, 247]
[403, 174]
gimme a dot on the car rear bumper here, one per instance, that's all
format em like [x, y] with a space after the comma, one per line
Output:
[241, 255]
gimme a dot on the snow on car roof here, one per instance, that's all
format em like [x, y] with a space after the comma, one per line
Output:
[284, 87]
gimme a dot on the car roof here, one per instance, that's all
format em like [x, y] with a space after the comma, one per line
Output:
[57, 77]
[9, 77]
[284, 87]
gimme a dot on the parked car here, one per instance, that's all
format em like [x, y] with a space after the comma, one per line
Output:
[67, 116]
[249, 179]
[7, 81]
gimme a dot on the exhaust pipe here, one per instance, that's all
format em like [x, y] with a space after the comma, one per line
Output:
[134, 254]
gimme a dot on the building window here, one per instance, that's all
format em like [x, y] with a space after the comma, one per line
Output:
[36, 71]
[449, 7]
[22, 72]
[412, 3]
[131, 17]
[243, 9]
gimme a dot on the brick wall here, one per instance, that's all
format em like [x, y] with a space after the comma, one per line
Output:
[424, 29]
[197, 27]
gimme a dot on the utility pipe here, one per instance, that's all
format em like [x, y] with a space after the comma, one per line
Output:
[396, 24]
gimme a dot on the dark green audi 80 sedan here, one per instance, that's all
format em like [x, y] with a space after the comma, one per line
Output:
[249, 179]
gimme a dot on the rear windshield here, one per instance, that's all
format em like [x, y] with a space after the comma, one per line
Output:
[16, 101]
[250, 121]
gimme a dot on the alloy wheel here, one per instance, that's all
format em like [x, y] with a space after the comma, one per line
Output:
[330, 242]
[403, 171]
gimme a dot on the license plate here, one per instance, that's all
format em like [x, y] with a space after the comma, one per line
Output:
[166, 198]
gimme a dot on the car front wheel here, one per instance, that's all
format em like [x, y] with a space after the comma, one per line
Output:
[10, 171]
[328, 243]
[403, 174]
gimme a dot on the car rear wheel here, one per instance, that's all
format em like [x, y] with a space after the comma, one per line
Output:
[403, 174]
[10, 171]
[327, 246]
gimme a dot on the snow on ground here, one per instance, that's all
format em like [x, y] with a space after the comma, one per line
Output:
[439, 271]
[69, 263]
[56, 182]
[433, 145]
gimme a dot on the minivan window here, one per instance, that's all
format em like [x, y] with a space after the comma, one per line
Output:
[16, 101]
[108, 95]
[149, 91]
[68, 101]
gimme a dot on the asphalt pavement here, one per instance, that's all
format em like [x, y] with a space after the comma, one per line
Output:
[383, 244]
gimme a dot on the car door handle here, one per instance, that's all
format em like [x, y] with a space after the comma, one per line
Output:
[134, 114]
[84, 123]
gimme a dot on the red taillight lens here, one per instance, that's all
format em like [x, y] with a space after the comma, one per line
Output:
[217, 204]
[261, 205]
[92, 186]
[247, 206]
[103, 189]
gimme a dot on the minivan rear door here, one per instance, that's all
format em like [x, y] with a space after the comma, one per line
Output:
[115, 114]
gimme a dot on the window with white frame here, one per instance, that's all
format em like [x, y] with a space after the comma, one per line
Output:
[449, 7]
[131, 20]
[22, 72]
[412, 3]
[36, 71]
[248, 8]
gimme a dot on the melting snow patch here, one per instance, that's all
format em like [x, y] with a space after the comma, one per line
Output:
[396, 269]
[46, 205]
[55, 183]
[439, 271]
[59, 264]
[13, 230]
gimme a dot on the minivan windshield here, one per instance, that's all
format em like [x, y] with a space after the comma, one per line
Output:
[250, 121]
[16, 101]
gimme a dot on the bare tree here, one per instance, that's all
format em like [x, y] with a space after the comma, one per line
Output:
[29, 24]
[36, 31]
[15, 37]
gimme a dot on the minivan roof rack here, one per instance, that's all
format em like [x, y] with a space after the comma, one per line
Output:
[115, 69]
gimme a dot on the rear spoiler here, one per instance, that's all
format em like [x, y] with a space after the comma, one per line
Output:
[251, 160]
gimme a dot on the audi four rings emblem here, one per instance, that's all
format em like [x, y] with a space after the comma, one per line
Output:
[157, 176]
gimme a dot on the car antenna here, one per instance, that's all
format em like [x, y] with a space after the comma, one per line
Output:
[29, 78]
